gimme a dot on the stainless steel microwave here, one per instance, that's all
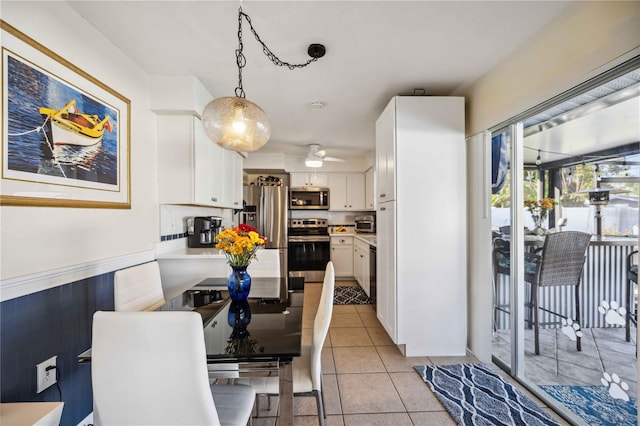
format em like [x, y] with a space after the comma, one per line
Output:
[309, 198]
[366, 224]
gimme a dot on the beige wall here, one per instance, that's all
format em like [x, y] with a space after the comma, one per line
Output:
[36, 240]
[573, 47]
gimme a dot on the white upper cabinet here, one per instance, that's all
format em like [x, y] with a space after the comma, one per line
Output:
[192, 169]
[369, 190]
[347, 191]
[233, 166]
[238, 164]
[309, 179]
[385, 155]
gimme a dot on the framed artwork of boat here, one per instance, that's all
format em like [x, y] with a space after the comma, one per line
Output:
[65, 135]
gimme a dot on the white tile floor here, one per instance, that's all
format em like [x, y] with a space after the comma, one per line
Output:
[366, 379]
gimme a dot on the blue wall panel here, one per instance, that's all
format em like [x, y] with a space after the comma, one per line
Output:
[52, 322]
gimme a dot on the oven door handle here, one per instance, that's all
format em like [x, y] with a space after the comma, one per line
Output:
[309, 239]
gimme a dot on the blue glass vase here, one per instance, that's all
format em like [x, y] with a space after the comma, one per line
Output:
[239, 315]
[239, 283]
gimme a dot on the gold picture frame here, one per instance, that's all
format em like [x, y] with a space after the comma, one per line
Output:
[65, 135]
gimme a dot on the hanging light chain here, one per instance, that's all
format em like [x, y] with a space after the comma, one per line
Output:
[241, 60]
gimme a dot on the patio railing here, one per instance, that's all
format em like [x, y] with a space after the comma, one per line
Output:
[603, 280]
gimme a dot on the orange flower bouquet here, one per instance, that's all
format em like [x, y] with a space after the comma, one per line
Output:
[240, 244]
[539, 210]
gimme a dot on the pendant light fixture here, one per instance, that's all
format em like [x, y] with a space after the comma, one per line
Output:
[235, 123]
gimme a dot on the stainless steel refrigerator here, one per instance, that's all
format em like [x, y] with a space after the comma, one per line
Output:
[266, 210]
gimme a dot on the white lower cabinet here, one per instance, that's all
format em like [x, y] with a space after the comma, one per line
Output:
[386, 295]
[361, 264]
[342, 256]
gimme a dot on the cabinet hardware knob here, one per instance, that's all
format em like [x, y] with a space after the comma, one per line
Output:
[383, 208]
[214, 324]
[383, 195]
[214, 199]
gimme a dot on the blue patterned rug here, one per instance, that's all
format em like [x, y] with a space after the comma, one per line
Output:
[594, 405]
[350, 295]
[475, 395]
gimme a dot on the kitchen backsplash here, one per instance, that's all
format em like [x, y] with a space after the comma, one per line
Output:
[173, 225]
[333, 218]
[173, 219]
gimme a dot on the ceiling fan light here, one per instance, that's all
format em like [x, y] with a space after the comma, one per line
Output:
[313, 162]
[236, 124]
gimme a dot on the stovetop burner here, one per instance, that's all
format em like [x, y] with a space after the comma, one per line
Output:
[302, 227]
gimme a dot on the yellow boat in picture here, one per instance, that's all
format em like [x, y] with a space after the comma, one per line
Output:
[70, 127]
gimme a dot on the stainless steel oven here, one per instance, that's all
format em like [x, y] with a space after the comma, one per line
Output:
[309, 248]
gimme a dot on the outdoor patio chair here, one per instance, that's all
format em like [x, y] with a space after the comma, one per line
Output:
[559, 264]
[501, 265]
[632, 281]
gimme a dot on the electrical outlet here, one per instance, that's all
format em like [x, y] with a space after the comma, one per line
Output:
[46, 378]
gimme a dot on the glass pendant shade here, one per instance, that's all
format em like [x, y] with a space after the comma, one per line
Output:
[236, 124]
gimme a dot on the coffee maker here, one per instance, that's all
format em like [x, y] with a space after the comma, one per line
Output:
[202, 231]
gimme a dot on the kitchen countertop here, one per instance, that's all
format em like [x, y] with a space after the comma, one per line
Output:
[209, 253]
[367, 238]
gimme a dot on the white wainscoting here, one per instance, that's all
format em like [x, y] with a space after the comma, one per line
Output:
[32, 283]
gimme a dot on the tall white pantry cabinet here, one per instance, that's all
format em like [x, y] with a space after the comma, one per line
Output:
[421, 222]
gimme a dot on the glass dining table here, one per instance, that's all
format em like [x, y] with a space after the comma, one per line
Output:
[262, 333]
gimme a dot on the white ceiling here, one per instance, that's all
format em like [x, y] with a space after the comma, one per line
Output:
[375, 50]
[602, 129]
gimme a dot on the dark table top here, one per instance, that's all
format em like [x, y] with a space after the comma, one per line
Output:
[257, 329]
[260, 329]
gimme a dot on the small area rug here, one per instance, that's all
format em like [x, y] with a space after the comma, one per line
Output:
[594, 405]
[475, 395]
[350, 295]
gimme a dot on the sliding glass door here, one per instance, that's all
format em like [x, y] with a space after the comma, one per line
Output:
[565, 232]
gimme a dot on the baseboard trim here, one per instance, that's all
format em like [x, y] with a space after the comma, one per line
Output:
[32, 283]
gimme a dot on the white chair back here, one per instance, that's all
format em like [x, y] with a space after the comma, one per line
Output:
[138, 288]
[149, 368]
[321, 325]
[267, 264]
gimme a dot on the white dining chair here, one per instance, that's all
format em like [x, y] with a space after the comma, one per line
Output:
[150, 368]
[138, 288]
[307, 369]
[267, 264]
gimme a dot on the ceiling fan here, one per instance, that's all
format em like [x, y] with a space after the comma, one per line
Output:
[316, 156]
